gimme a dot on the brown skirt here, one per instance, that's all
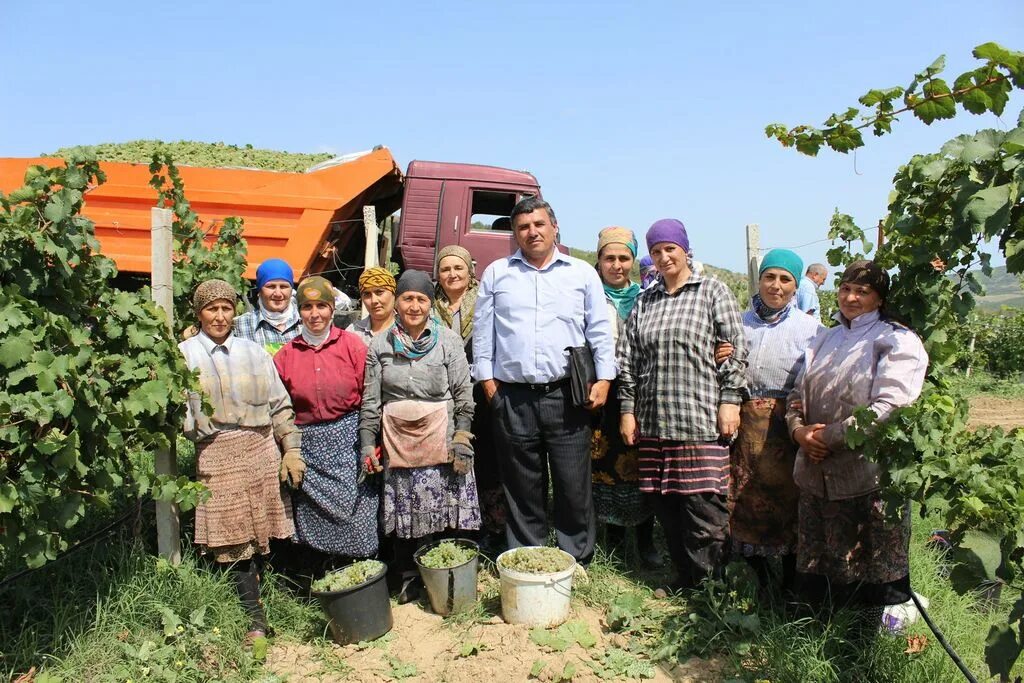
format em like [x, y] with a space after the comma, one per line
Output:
[763, 498]
[852, 541]
[246, 507]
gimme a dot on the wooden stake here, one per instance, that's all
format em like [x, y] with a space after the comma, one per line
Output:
[168, 524]
[753, 255]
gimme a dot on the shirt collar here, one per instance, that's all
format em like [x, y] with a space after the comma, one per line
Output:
[559, 256]
[695, 278]
[860, 321]
[210, 346]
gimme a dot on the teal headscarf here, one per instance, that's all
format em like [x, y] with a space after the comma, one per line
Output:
[624, 299]
[784, 259]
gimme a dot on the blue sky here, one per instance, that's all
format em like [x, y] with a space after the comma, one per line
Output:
[626, 113]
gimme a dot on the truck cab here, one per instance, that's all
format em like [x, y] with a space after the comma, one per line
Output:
[464, 204]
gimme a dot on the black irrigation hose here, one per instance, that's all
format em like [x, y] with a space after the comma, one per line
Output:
[94, 537]
[942, 641]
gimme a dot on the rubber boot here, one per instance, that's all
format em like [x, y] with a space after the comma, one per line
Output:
[615, 541]
[650, 556]
[245, 575]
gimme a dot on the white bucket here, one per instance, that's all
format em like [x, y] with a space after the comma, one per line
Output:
[535, 599]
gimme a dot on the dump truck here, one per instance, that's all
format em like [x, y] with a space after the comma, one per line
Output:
[314, 220]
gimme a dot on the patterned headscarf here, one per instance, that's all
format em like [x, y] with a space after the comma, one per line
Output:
[315, 289]
[616, 235]
[376, 277]
[468, 305]
[211, 290]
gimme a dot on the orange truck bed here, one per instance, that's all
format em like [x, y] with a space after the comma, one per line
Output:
[299, 217]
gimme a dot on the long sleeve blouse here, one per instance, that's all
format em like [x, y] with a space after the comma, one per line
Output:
[325, 382]
[776, 350]
[666, 358]
[243, 387]
[868, 362]
[440, 375]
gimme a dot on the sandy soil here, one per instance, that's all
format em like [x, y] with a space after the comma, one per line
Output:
[423, 639]
[1002, 412]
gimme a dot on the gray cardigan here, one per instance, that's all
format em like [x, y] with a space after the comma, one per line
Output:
[441, 375]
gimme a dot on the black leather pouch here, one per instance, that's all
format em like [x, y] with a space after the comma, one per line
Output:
[582, 374]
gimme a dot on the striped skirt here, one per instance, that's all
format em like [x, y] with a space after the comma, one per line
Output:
[683, 468]
[246, 508]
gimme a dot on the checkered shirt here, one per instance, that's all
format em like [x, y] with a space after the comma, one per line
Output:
[666, 358]
[254, 327]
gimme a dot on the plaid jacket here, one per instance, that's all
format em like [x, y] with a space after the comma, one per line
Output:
[243, 388]
[666, 358]
[254, 327]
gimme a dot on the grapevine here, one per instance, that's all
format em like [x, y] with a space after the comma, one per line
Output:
[943, 209]
[194, 260]
[91, 379]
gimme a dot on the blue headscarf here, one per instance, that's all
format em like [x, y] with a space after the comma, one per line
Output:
[274, 269]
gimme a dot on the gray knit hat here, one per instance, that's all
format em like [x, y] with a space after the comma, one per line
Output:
[415, 281]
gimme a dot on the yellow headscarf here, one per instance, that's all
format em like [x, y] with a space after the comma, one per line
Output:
[376, 277]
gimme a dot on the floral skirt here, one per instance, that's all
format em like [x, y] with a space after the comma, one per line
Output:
[427, 500]
[851, 542]
[246, 507]
[763, 498]
[334, 513]
[615, 471]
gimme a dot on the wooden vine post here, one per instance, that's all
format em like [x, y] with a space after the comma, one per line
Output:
[753, 254]
[168, 525]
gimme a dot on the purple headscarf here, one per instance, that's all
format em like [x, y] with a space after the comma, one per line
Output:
[668, 230]
[647, 271]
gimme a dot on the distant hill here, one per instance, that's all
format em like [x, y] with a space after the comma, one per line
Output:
[1002, 289]
[737, 282]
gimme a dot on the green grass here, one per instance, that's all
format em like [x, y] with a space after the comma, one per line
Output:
[114, 612]
[984, 383]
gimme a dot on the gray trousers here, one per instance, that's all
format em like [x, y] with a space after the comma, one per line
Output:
[537, 430]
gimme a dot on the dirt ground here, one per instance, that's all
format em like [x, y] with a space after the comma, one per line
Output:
[1002, 412]
[423, 640]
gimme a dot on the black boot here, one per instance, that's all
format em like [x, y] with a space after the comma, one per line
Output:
[245, 575]
[615, 541]
[650, 556]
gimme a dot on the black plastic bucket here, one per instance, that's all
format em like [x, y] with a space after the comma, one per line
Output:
[452, 589]
[359, 613]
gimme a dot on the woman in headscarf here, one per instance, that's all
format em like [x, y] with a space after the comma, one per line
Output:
[322, 369]
[617, 497]
[679, 405]
[377, 291]
[239, 446]
[454, 303]
[847, 546]
[418, 404]
[763, 495]
[648, 273]
[275, 322]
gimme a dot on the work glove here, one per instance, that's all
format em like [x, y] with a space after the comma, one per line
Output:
[370, 459]
[293, 467]
[461, 452]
